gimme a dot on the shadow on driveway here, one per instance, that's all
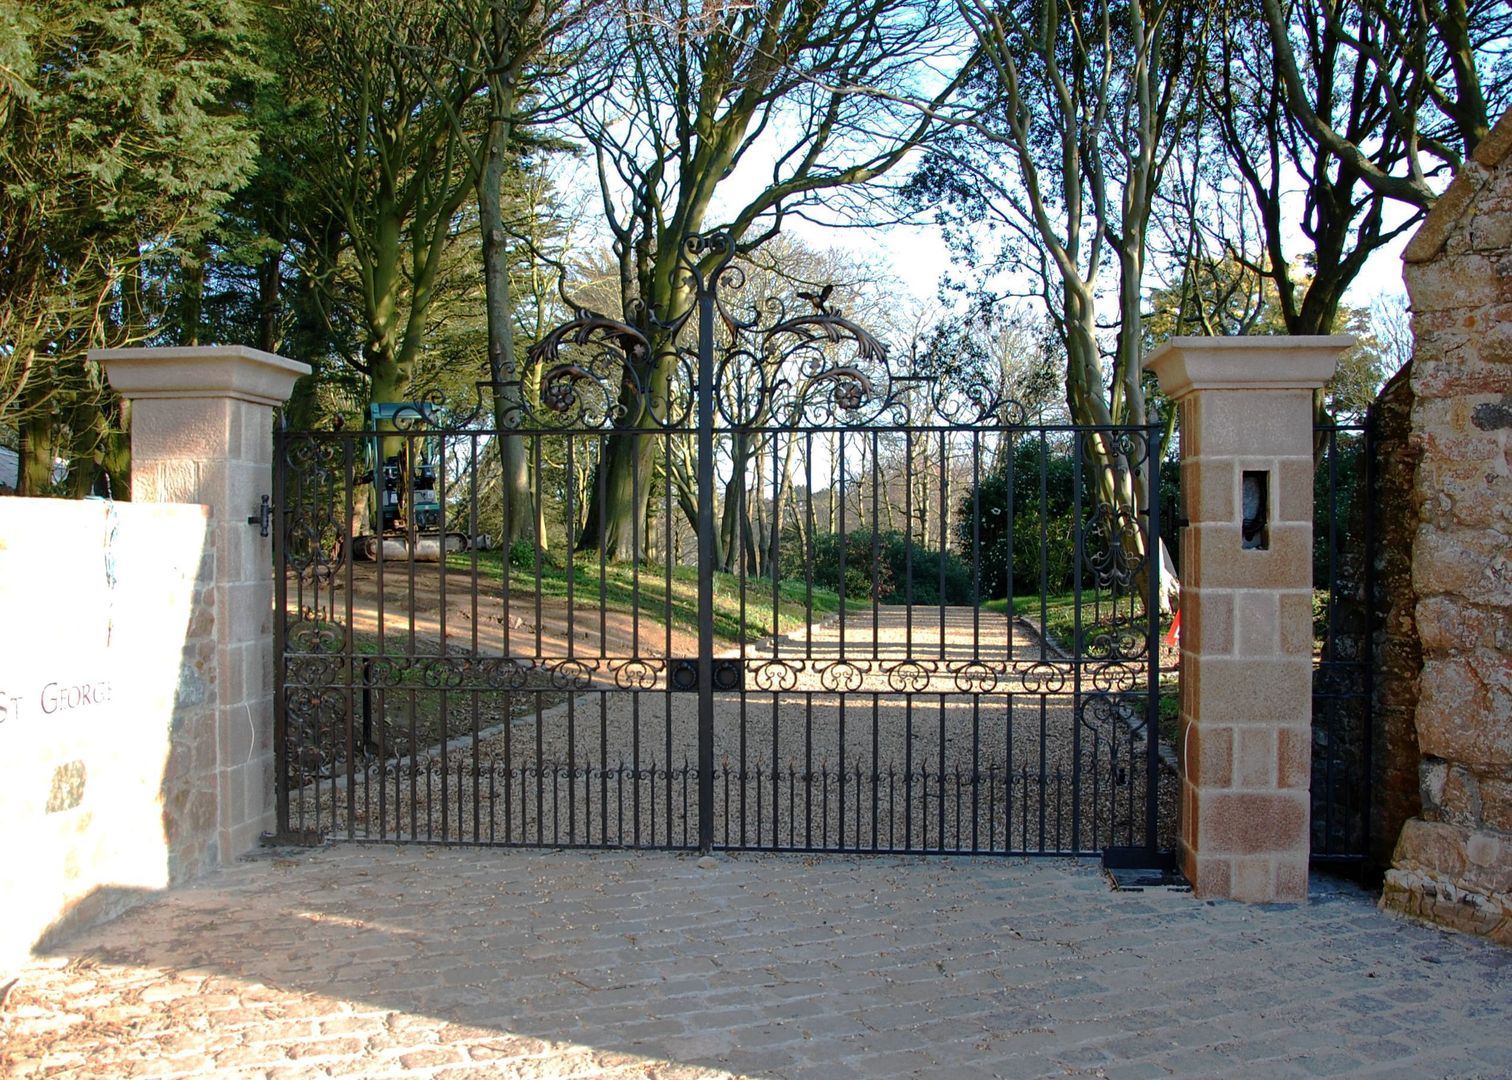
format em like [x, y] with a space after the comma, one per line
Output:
[368, 960]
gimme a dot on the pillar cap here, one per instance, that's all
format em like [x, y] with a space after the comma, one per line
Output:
[1277, 362]
[201, 371]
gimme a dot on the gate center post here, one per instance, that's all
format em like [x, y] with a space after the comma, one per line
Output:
[706, 559]
[1245, 742]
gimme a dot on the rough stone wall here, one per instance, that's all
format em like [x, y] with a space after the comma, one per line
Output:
[1453, 863]
[1398, 655]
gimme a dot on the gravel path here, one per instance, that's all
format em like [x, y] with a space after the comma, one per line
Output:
[897, 730]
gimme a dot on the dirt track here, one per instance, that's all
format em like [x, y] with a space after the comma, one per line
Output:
[416, 613]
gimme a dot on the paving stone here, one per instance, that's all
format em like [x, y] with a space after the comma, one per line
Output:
[386, 961]
[1137, 1070]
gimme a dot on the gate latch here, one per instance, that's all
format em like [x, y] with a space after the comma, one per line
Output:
[263, 519]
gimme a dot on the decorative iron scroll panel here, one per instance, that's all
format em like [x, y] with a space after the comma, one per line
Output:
[804, 653]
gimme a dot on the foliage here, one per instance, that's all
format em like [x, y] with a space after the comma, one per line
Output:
[890, 568]
[117, 151]
[1022, 515]
[523, 555]
[1232, 298]
[1075, 106]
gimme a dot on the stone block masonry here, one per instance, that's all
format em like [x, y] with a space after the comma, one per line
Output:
[136, 653]
[202, 431]
[1245, 737]
[1398, 652]
[1453, 862]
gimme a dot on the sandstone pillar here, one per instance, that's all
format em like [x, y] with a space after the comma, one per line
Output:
[1245, 742]
[202, 432]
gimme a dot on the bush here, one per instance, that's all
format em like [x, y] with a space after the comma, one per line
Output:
[522, 555]
[1043, 540]
[889, 568]
[1011, 562]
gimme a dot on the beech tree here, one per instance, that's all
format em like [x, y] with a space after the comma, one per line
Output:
[1076, 108]
[734, 116]
[384, 157]
[519, 45]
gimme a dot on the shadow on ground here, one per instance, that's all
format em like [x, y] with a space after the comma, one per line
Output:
[373, 960]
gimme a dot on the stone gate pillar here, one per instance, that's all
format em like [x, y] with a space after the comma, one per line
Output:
[202, 432]
[1245, 742]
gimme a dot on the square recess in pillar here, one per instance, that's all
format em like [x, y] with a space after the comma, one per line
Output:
[1254, 498]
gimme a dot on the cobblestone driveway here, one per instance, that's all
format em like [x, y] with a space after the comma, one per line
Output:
[377, 962]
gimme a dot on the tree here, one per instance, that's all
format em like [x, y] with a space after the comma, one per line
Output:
[384, 158]
[1431, 59]
[1078, 105]
[1230, 299]
[117, 152]
[1366, 103]
[519, 44]
[698, 98]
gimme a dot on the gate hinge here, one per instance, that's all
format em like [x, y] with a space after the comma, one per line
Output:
[263, 519]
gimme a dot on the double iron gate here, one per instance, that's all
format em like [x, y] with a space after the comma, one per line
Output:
[774, 610]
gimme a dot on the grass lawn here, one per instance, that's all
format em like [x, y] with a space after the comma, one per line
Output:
[413, 707]
[624, 587]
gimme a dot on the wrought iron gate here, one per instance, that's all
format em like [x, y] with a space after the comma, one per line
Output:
[776, 610]
[1344, 626]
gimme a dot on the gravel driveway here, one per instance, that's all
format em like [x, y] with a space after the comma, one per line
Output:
[900, 729]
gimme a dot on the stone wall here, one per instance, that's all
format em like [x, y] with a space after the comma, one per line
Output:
[108, 692]
[1453, 863]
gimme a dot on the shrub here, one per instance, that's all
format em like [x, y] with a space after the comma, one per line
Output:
[1041, 533]
[522, 555]
[890, 568]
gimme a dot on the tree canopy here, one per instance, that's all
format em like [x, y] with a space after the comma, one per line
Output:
[409, 195]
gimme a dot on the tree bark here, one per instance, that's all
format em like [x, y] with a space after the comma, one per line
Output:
[37, 435]
[520, 521]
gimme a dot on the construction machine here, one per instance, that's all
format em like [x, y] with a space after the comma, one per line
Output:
[404, 510]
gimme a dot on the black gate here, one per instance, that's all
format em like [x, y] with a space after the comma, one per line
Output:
[1344, 627]
[790, 598]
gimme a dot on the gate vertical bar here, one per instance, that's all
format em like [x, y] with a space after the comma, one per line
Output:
[706, 559]
[1152, 610]
[1367, 637]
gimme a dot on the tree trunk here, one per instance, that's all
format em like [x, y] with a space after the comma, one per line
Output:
[520, 520]
[37, 436]
[193, 306]
[86, 435]
[631, 450]
[619, 498]
[116, 455]
[269, 300]
[734, 503]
